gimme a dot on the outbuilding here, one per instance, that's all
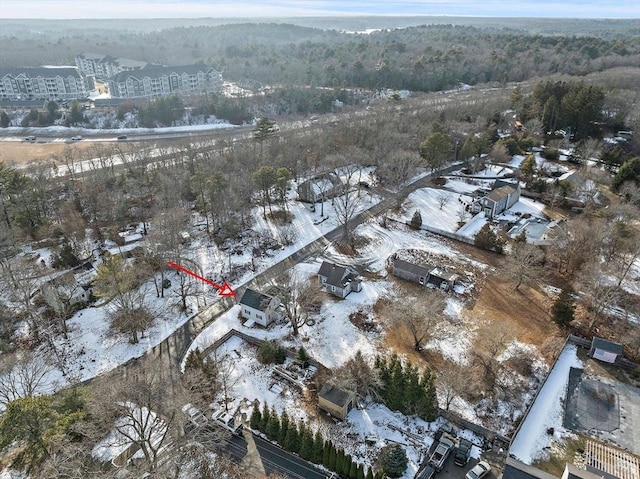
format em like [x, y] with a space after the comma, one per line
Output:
[336, 401]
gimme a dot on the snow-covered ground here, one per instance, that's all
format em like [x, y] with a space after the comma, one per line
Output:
[547, 411]
[439, 208]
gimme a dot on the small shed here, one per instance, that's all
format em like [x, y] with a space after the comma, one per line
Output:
[335, 401]
[606, 351]
[412, 272]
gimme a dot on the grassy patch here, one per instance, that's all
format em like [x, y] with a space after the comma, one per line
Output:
[561, 452]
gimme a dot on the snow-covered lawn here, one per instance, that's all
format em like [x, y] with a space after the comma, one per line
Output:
[439, 208]
[547, 411]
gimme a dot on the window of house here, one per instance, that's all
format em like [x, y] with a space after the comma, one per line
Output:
[333, 288]
[258, 316]
[246, 311]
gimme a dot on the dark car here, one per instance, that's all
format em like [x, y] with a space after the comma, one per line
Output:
[122, 137]
[463, 453]
[364, 184]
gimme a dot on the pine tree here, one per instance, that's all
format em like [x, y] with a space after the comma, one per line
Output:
[369, 473]
[284, 428]
[292, 439]
[360, 472]
[339, 467]
[429, 397]
[303, 357]
[273, 426]
[326, 454]
[306, 444]
[333, 458]
[318, 449]
[353, 470]
[266, 412]
[393, 460]
[256, 417]
[4, 120]
[562, 310]
[416, 220]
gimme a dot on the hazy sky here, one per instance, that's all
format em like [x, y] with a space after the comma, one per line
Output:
[291, 8]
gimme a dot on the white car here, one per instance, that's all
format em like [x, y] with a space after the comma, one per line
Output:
[76, 138]
[226, 421]
[479, 471]
[195, 416]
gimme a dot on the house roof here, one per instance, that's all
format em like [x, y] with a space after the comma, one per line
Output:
[499, 193]
[156, 72]
[255, 300]
[607, 345]
[34, 72]
[333, 273]
[412, 268]
[439, 273]
[334, 395]
[515, 469]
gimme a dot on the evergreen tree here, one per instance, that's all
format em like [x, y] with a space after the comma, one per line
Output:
[429, 397]
[266, 413]
[393, 460]
[416, 220]
[326, 454]
[333, 458]
[360, 473]
[284, 428]
[292, 439]
[353, 469]
[303, 357]
[563, 308]
[273, 426]
[256, 417]
[369, 474]
[318, 449]
[306, 444]
[340, 459]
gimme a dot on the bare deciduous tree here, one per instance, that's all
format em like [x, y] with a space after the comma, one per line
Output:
[299, 296]
[22, 375]
[451, 383]
[358, 376]
[421, 318]
[524, 263]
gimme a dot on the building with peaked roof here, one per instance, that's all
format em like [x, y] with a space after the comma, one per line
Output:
[604, 350]
[157, 81]
[44, 83]
[259, 308]
[423, 275]
[320, 188]
[106, 66]
[335, 401]
[338, 280]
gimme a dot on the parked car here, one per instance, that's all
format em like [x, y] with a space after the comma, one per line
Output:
[479, 471]
[226, 420]
[195, 416]
[76, 138]
[441, 453]
[364, 184]
[30, 139]
[122, 137]
[462, 453]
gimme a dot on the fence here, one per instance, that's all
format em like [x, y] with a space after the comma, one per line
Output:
[488, 434]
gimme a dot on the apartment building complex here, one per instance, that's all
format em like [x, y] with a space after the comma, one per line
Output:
[159, 81]
[44, 83]
[106, 66]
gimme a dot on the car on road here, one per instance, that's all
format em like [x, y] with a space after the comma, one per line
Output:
[76, 138]
[479, 471]
[30, 139]
[463, 452]
[227, 421]
[122, 137]
[195, 416]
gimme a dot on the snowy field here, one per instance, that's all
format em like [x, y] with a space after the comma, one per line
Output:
[547, 412]
[439, 208]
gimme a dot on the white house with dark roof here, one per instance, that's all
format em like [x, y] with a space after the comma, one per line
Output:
[259, 308]
[338, 280]
[502, 197]
[320, 188]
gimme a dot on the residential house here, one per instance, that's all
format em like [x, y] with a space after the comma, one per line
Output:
[502, 197]
[69, 288]
[157, 81]
[423, 275]
[335, 401]
[44, 83]
[338, 280]
[412, 272]
[319, 188]
[258, 308]
[606, 351]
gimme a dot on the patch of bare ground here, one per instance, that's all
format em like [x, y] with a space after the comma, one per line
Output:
[525, 313]
[23, 153]
[351, 249]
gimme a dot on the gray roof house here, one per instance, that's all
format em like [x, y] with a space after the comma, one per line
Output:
[604, 350]
[335, 401]
[338, 280]
[258, 308]
[423, 275]
[326, 186]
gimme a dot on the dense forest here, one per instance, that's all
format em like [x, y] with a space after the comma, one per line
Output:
[419, 58]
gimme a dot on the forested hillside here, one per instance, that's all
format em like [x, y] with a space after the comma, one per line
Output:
[422, 58]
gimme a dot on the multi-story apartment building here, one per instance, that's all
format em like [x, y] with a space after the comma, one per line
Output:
[106, 66]
[44, 83]
[159, 81]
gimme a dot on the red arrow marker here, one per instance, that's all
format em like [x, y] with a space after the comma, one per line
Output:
[223, 289]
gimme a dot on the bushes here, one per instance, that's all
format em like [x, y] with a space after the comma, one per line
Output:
[393, 460]
[271, 352]
[416, 220]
